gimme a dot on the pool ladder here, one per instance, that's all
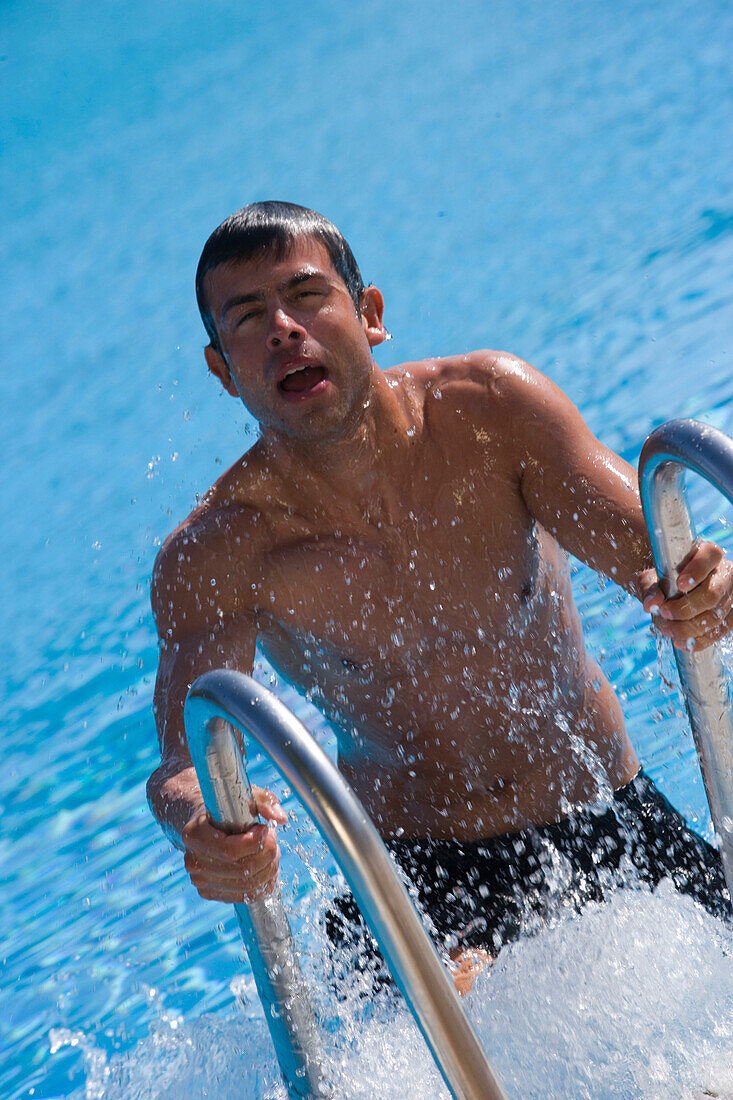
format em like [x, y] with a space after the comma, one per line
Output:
[221, 704]
[669, 450]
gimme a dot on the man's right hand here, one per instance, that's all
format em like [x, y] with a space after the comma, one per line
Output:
[234, 867]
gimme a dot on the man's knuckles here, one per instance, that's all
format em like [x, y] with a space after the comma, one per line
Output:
[206, 840]
[249, 888]
[249, 858]
[244, 880]
[231, 882]
[708, 561]
[231, 873]
[683, 631]
[682, 608]
[704, 557]
[703, 630]
[260, 838]
[194, 828]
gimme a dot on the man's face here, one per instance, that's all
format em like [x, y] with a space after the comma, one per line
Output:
[294, 348]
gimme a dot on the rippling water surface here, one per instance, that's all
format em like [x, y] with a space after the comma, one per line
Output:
[554, 179]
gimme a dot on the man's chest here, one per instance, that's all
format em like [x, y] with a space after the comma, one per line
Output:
[458, 554]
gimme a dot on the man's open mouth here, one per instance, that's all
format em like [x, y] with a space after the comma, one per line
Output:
[303, 380]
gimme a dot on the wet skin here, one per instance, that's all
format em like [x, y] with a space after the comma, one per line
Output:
[396, 541]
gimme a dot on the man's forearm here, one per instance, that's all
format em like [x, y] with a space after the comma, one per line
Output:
[174, 797]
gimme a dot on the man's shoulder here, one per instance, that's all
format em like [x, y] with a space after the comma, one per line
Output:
[215, 547]
[479, 384]
[225, 512]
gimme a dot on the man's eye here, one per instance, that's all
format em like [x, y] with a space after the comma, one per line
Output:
[245, 317]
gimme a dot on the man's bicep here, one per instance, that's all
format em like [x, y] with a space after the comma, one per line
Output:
[199, 600]
[579, 490]
[183, 659]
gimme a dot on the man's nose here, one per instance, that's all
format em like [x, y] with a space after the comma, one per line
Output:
[283, 330]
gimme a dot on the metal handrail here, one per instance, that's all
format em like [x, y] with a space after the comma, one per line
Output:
[671, 448]
[231, 697]
[219, 757]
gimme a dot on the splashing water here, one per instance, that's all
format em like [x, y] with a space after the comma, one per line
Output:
[631, 999]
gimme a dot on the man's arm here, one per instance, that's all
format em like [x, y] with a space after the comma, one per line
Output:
[202, 628]
[588, 498]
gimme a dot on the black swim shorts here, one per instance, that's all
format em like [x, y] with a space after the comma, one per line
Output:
[486, 893]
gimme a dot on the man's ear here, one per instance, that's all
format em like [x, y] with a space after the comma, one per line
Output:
[217, 365]
[372, 311]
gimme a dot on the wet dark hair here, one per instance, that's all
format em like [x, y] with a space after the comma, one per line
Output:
[264, 228]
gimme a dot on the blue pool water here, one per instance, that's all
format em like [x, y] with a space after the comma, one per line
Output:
[552, 178]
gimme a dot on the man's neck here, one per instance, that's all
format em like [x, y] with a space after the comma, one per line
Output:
[362, 456]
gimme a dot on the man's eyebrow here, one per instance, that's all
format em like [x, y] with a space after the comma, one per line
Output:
[237, 300]
[302, 276]
[294, 280]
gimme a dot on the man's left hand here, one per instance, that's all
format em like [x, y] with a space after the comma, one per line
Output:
[703, 611]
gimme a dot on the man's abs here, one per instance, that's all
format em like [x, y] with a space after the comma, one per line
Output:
[460, 745]
[436, 790]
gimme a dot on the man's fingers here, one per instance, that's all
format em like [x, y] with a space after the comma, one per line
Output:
[245, 888]
[699, 563]
[268, 806]
[701, 613]
[703, 559]
[234, 869]
[231, 874]
[202, 838]
[653, 600]
[711, 595]
[237, 897]
[649, 590]
[697, 633]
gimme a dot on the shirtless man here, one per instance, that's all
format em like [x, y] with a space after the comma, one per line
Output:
[395, 539]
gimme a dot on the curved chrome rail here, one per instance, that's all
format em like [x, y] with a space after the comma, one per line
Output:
[667, 452]
[219, 698]
[219, 758]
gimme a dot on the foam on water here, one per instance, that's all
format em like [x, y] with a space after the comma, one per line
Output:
[630, 999]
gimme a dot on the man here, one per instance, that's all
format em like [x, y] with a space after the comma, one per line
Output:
[395, 541]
